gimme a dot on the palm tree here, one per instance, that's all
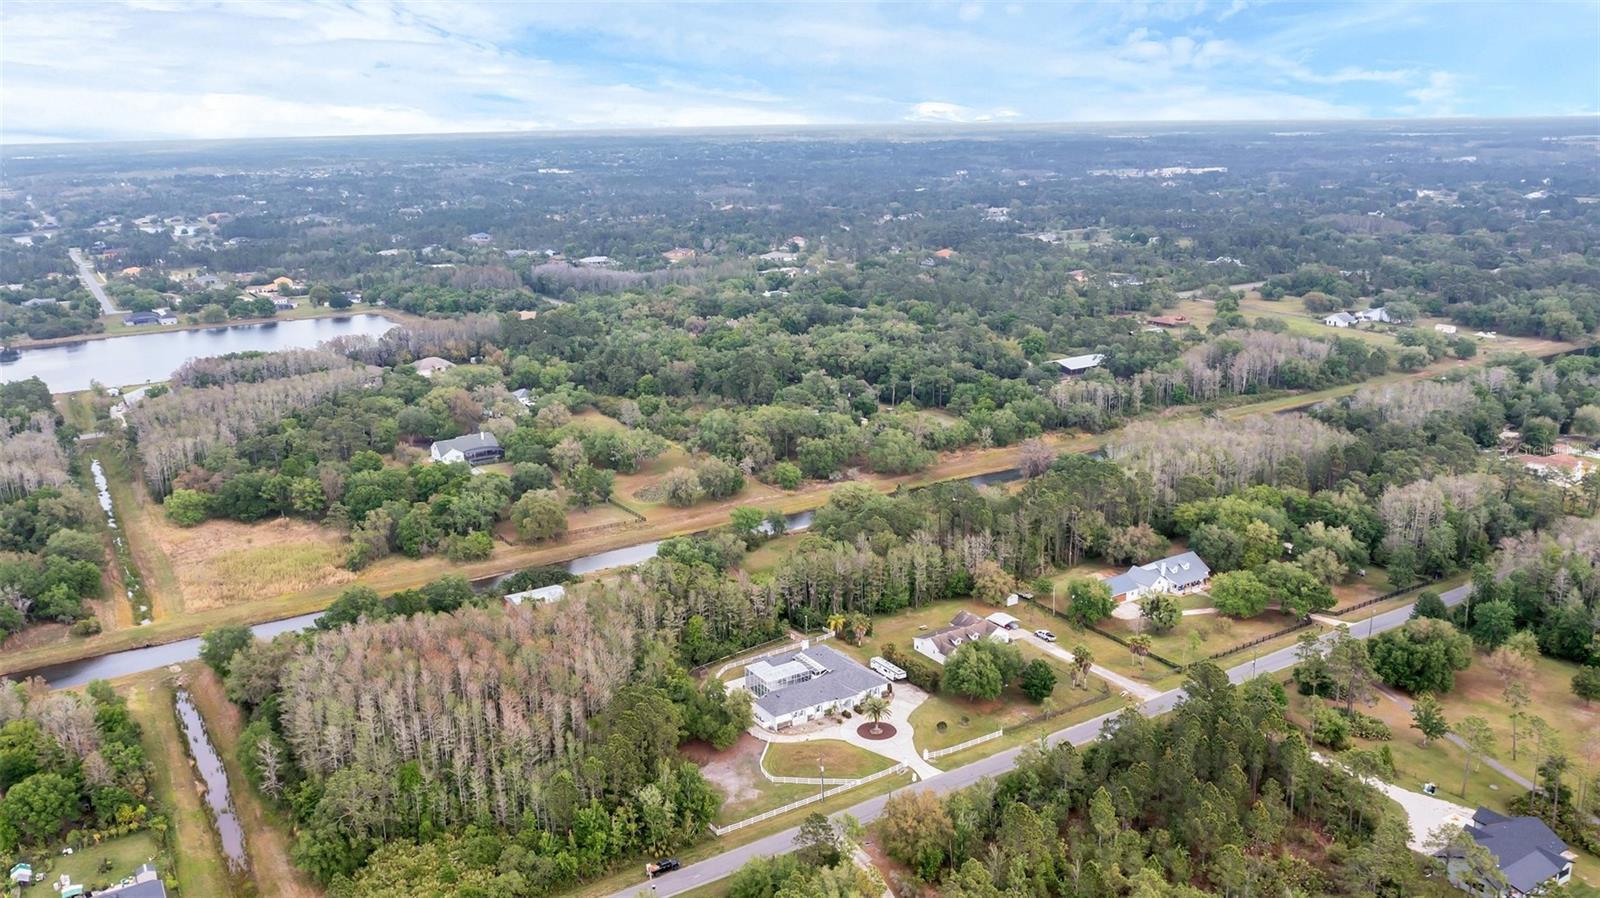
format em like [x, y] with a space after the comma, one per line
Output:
[1140, 645]
[876, 708]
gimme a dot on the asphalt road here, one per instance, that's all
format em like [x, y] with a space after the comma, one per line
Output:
[92, 283]
[701, 873]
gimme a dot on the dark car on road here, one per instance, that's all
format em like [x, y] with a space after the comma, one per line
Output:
[665, 865]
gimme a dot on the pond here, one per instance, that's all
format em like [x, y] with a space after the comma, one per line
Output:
[142, 358]
[215, 777]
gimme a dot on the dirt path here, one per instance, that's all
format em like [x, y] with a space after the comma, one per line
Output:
[266, 833]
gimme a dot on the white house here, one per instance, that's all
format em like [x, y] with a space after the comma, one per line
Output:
[1376, 313]
[474, 449]
[793, 687]
[544, 595]
[523, 396]
[1561, 468]
[1178, 574]
[1341, 319]
[965, 627]
[1445, 328]
[1078, 364]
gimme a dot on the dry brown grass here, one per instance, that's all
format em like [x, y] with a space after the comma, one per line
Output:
[222, 563]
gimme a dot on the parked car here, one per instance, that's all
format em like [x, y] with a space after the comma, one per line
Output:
[1046, 635]
[665, 865]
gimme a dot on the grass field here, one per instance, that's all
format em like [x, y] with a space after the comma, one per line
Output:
[98, 866]
[842, 760]
[202, 868]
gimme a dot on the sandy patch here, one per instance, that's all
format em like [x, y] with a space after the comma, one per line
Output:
[734, 771]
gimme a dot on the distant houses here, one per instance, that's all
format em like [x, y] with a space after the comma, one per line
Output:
[474, 449]
[1178, 574]
[965, 627]
[1078, 364]
[814, 681]
[1376, 314]
[1341, 319]
[1169, 320]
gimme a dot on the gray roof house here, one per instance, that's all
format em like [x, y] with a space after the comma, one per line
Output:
[964, 627]
[1530, 856]
[1077, 364]
[1341, 319]
[813, 681]
[1183, 573]
[474, 449]
[144, 883]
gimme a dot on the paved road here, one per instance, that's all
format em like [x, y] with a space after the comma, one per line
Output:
[711, 869]
[92, 283]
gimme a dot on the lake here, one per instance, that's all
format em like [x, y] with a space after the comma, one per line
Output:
[142, 358]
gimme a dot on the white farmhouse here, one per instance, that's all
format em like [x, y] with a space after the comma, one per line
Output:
[965, 627]
[1341, 319]
[1179, 574]
[791, 688]
[1445, 328]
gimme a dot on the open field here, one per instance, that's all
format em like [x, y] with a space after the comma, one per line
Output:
[266, 830]
[202, 869]
[222, 563]
[736, 772]
[841, 759]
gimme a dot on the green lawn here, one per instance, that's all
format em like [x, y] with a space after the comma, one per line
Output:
[117, 857]
[841, 759]
[1207, 633]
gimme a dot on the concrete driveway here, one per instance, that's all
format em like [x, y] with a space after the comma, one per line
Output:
[1425, 813]
[900, 747]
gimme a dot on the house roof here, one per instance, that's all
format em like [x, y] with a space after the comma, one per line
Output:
[432, 363]
[1079, 362]
[551, 593]
[469, 443]
[964, 627]
[1343, 317]
[842, 679]
[1169, 320]
[1526, 850]
[1003, 619]
[1185, 569]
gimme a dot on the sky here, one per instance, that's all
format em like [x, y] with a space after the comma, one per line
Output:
[160, 69]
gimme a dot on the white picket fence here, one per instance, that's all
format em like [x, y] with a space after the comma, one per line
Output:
[827, 793]
[941, 752]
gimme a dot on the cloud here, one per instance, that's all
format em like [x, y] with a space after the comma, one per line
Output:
[933, 111]
[159, 68]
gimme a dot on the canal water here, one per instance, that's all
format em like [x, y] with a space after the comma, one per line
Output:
[215, 777]
[142, 358]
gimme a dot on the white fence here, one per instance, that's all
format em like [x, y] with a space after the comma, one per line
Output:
[939, 753]
[828, 793]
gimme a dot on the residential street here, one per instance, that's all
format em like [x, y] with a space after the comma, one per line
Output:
[697, 874]
[92, 283]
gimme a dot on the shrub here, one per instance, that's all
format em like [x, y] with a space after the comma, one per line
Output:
[920, 672]
[786, 475]
[89, 626]
[1365, 726]
[187, 508]
[1330, 728]
[475, 546]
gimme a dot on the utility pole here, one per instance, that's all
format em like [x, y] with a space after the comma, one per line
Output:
[822, 780]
